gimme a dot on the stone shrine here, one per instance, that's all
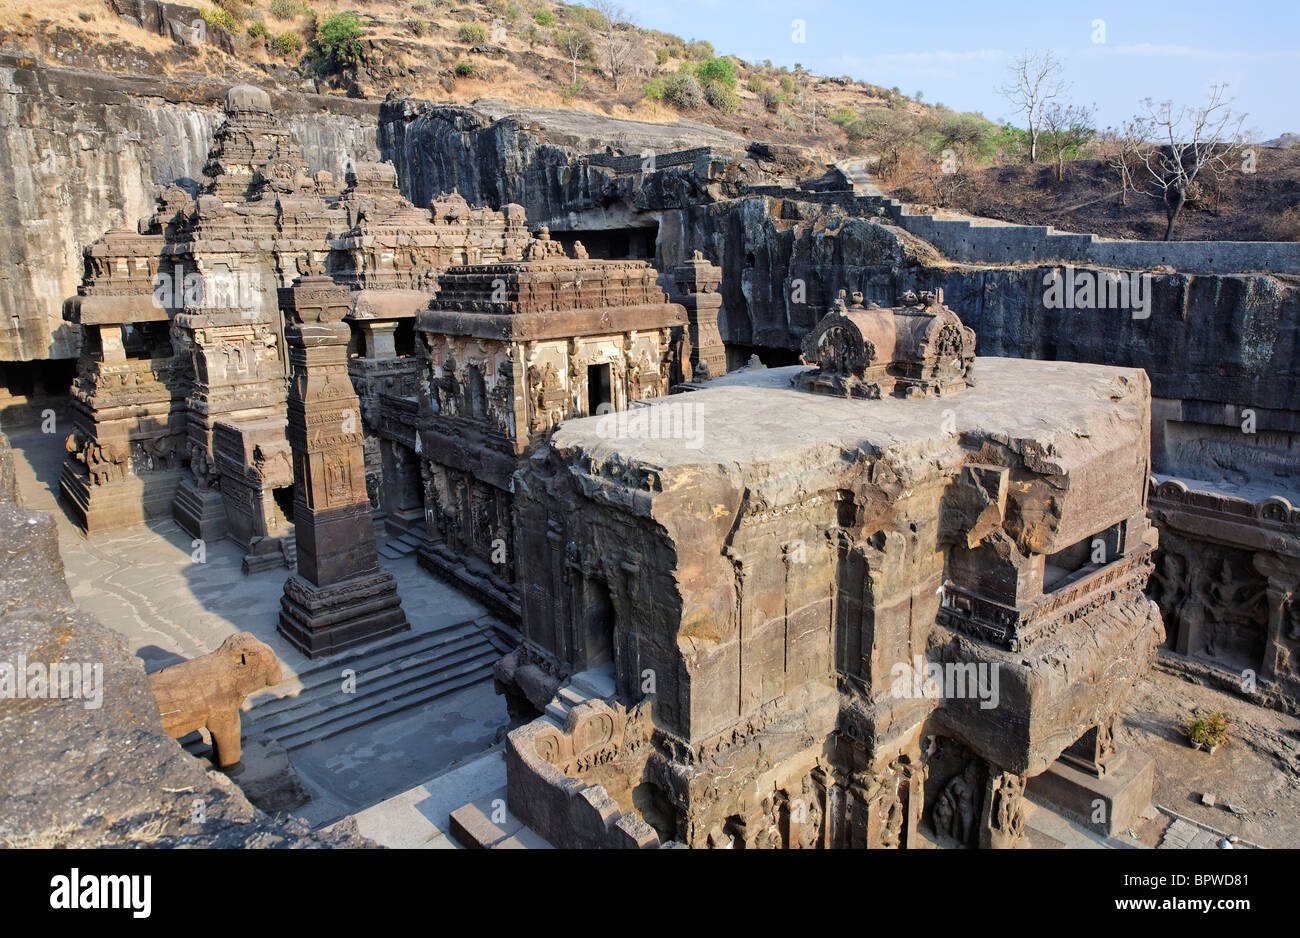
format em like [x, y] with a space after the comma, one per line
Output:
[869, 625]
[509, 350]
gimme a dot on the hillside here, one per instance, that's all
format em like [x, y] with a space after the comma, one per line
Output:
[523, 56]
[449, 53]
[1259, 206]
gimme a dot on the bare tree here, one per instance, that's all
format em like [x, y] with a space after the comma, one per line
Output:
[1188, 141]
[1065, 129]
[1121, 150]
[616, 38]
[891, 134]
[576, 45]
[1035, 82]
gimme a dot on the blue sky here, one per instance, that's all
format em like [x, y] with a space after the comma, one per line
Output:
[958, 53]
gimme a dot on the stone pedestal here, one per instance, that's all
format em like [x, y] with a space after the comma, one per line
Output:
[696, 283]
[1109, 804]
[324, 620]
[380, 338]
[339, 597]
[200, 511]
[130, 500]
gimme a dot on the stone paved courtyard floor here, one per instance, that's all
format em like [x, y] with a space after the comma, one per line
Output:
[143, 582]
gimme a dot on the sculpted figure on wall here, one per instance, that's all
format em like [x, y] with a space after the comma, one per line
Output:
[957, 808]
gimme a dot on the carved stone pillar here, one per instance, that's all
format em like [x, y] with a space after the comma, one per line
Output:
[697, 284]
[339, 597]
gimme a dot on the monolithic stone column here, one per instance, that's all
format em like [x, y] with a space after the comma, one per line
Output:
[339, 597]
[697, 284]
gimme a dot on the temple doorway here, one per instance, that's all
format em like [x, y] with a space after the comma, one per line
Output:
[598, 626]
[600, 392]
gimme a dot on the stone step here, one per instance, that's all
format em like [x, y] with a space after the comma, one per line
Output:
[392, 676]
[1058, 831]
[384, 550]
[372, 655]
[486, 823]
[585, 685]
[557, 712]
[410, 540]
[341, 719]
[418, 817]
[328, 696]
[408, 696]
[597, 682]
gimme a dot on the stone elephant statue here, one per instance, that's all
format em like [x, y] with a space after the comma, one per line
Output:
[207, 691]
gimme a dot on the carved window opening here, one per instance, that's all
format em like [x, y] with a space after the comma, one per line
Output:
[404, 338]
[146, 340]
[1083, 557]
[600, 390]
[477, 390]
[637, 243]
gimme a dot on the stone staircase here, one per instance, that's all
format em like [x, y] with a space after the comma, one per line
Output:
[275, 553]
[396, 674]
[403, 545]
[597, 683]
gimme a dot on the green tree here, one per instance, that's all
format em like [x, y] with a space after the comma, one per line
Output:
[969, 134]
[1067, 129]
[717, 70]
[337, 43]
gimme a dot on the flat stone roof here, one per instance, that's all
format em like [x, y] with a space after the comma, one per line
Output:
[755, 415]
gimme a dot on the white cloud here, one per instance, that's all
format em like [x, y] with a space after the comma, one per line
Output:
[1155, 50]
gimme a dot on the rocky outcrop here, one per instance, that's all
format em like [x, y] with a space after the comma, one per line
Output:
[558, 164]
[97, 768]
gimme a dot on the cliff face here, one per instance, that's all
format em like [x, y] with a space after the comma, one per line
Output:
[1222, 352]
[82, 152]
[437, 149]
[541, 158]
